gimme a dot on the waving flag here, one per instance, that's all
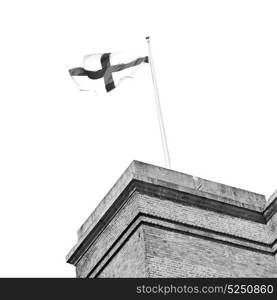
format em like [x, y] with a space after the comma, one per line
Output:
[105, 71]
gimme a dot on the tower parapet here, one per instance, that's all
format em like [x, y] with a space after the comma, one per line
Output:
[157, 222]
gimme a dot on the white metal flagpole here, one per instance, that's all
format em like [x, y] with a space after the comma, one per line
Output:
[158, 106]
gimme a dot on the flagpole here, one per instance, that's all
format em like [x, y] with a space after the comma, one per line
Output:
[158, 106]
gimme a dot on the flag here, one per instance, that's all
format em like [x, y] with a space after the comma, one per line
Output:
[104, 72]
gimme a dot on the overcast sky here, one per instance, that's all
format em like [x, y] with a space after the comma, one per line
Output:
[61, 150]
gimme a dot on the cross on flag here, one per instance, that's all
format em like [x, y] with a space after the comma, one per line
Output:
[106, 70]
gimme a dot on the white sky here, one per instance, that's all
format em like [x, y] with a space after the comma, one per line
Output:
[62, 150]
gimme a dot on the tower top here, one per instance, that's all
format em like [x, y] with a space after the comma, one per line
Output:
[156, 222]
[166, 183]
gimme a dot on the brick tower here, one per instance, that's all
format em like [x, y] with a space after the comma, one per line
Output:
[156, 222]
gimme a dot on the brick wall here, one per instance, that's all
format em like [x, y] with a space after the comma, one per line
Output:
[130, 260]
[219, 222]
[172, 254]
